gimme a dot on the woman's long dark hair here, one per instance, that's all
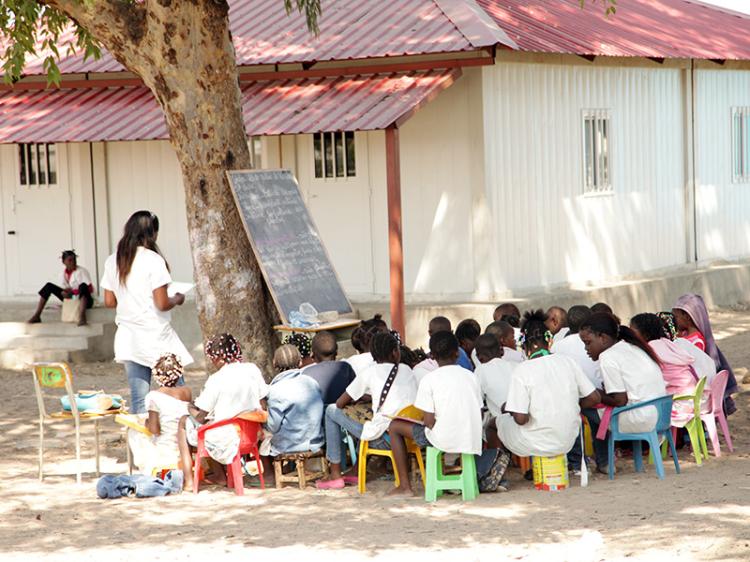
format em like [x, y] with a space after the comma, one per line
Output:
[140, 230]
[604, 323]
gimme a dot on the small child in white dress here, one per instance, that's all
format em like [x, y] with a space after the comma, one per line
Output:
[165, 406]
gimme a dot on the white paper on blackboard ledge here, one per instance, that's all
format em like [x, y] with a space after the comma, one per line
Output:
[179, 287]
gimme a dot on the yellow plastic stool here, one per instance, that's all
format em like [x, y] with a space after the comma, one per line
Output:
[411, 449]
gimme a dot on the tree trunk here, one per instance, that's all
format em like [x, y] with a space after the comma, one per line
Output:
[182, 50]
[200, 96]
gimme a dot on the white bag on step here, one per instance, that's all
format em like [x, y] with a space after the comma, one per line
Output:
[70, 310]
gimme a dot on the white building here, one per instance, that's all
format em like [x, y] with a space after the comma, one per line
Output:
[555, 148]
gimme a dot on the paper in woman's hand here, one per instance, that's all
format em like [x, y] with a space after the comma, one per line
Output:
[179, 287]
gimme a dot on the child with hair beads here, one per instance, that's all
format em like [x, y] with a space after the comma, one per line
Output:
[545, 397]
[693, 324]
[166, 406]
[235, 388]
[303, 344]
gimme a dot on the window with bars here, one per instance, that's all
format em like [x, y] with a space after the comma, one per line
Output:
[596, 152]
[741, 144]
[37, 165]
[334, 155]
[256, 152]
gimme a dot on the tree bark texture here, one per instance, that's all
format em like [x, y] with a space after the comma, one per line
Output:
[183, 51]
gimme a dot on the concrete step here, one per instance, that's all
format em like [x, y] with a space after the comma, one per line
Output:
[16, 329]
[71, 343]
[22, 344]
[20, 358]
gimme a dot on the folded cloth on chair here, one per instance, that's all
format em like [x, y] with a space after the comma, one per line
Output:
[93, 402]
[111, 486]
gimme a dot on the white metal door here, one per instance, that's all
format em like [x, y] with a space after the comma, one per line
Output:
[340, 206]
[39, 225]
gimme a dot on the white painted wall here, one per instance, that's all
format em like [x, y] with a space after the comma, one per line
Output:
[548, 231]
[722, 207]
[146, 175]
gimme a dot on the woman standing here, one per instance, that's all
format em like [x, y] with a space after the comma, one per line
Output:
[135, 283]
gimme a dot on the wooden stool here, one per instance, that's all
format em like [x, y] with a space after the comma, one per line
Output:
[302, 475]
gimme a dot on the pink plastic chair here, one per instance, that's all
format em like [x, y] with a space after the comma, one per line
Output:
[714, 409]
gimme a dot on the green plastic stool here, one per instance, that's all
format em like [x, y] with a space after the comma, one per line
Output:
[437, 481]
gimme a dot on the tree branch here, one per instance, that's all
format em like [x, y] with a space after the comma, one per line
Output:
[117, 24]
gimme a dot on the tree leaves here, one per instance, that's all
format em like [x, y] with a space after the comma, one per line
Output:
[610, 6]
[29, 27]
[311, 9]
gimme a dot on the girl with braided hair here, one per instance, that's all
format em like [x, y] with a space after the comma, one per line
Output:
[392, 387]
[361, 341]
[545, 396]
[166, 406]
[629, 367]
[234, 388]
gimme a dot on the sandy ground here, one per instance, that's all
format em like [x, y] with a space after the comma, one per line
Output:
[701, 514]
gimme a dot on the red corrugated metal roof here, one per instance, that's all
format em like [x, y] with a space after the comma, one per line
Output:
[349, 29]
[302, 105]
[640, 28]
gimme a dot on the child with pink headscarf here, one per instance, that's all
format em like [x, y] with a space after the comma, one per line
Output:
[692, 321]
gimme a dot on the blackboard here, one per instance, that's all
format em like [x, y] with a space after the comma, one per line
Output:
[286, 242]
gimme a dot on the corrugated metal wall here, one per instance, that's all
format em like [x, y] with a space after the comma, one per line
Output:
[146, 175]
[722, 207]
[548, 231]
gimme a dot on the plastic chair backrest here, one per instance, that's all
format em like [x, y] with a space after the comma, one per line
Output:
[664, 408]
[698, 396]
[411, 412]
[53, 375]
[717, 387]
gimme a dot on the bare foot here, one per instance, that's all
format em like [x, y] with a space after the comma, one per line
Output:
[217, 479]
[34, 320]
[395, 492]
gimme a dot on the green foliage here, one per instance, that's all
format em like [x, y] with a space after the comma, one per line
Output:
[29, 27]
[311, 9]
[610, 6]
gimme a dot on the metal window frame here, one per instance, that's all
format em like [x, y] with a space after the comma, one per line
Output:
[330, 137]
[601, 153]
[36, 157]
[739, 129]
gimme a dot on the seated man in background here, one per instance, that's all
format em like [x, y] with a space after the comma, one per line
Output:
[331, 375]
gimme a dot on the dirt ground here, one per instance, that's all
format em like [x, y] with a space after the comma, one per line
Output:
[701, 514]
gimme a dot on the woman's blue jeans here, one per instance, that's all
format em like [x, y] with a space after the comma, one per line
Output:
[139, 381]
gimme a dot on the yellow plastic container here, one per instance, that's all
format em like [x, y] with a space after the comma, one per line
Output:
[551, 473]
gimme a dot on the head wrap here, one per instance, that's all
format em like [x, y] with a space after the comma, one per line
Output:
[223, 348]
[694, 306]
[167, 370]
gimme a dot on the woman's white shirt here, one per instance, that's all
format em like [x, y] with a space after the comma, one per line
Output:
[144, 332]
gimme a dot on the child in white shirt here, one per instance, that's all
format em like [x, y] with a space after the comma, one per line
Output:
[493, 373]
[166, 406]
[545, 397]
[235, 388]
[505, 334]
[451, 400]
